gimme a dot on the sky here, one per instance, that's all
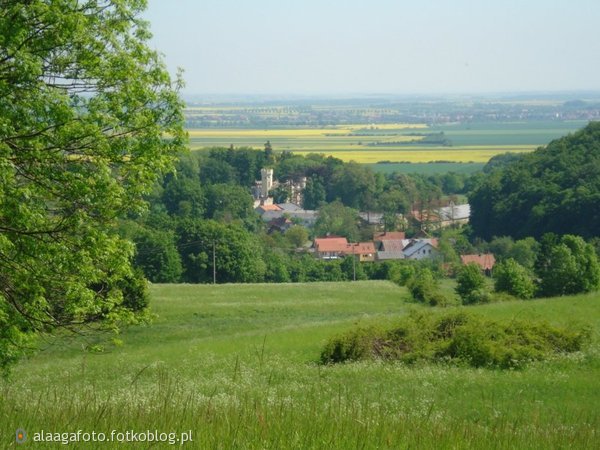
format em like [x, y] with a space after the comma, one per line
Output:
[342, 47]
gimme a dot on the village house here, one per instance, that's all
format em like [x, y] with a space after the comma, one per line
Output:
[442, 217]
[305, 217]
[485, 261]
[390, 244]
[389, 236]
[330, 247]
[394, 245]
[364, 250]
[454, 215]
[371, 218]
[262, 209]
[334, 247]
[390, 249]
[419, 249]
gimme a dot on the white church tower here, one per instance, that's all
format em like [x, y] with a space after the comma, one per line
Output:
[266, 176]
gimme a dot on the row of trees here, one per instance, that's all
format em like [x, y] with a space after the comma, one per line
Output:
[561, 266]
[197, 250]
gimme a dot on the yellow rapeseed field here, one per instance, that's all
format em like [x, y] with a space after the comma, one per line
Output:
[462, 154]
[237, 133]
[303, 132]
[388, 126]
[352, 142]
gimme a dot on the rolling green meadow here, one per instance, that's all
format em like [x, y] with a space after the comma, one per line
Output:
[237, 365]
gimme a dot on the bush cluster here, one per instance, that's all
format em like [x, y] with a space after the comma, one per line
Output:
[424, 288]
[457, 337]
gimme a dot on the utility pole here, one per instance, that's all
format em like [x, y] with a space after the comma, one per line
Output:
[214, 264]
[353, 263]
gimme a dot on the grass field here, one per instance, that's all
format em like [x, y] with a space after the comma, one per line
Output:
[235, 364]
[507, 133]
[397, 143]
[427, 168]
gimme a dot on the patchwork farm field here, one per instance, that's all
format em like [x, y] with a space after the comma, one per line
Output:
[237, 366]
[395, 143]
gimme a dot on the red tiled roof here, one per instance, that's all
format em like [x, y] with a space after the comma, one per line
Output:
[486, 261]
[388, 235]
[270, 208]
[362, 248]
[331, 244]
[341, 245]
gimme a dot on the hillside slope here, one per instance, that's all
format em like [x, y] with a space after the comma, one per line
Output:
[234, 365]
[554, 189]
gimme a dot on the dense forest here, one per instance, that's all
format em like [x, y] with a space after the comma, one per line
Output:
[554, 189]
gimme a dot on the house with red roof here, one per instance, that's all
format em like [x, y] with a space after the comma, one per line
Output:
[334, 247]
[364, 250]
[390, 244]
[330, 247]
[389, 235]
[485, 261]
[261, 209]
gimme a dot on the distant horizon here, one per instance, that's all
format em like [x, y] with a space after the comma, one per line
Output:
[557, 95]
[431, 47]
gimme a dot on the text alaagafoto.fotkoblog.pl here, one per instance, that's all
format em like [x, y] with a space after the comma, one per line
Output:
[128, 436]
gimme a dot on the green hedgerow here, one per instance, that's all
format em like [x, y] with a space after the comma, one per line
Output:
[457, 337]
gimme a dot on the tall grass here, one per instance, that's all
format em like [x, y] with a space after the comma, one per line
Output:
[237, 366]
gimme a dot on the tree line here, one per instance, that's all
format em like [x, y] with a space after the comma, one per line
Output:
[553, 189]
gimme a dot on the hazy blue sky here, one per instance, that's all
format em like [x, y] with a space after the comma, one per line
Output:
[379, 46]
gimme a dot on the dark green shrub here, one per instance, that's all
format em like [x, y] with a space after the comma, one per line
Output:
[135, 291]
[437, 298]
[403, 274]
[422, 285]
[457, 337]
[514, 279]
[470, 285]
[566, 266]
[352, 346]
[477, 296]
[424, 288]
